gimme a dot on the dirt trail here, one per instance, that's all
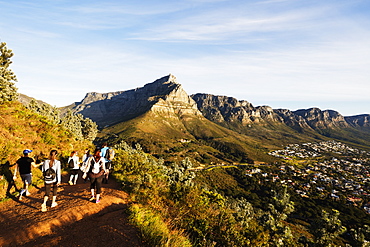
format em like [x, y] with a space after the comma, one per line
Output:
[74, 222]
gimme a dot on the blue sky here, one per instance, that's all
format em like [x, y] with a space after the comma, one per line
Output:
[292, 54]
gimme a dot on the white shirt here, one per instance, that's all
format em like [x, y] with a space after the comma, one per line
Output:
[56, 167]
[75, 161]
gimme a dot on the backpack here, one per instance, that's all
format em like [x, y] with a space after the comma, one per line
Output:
[71, 163]
[96, 167]
[109, 154]
[49, 174]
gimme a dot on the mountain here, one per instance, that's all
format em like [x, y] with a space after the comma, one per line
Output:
[164, 95]
[25, 100]
[359, 121]
[165, 120]
[281, 124]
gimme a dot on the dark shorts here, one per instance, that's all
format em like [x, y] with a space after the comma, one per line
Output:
[74, 171]
[27, 178]
[95, 184]
[48, 188]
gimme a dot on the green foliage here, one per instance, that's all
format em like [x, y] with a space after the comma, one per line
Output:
[89, 129]
[273, 219]
[327, 228]
[140, 173]
[50, 112]
[180, 178]
[8, 91]
[21, 128]
[238, 210]
[206, 217]
[72, 123]
[82, 128]
[359, 236]
[154, 230]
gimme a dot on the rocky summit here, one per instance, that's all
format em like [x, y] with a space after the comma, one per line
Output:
[164, 96]
[167, 97]
[165, 120]
[227, 109]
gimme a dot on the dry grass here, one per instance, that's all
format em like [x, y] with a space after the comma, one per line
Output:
[22, 129]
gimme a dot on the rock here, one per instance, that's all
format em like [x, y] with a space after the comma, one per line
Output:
[164, 96]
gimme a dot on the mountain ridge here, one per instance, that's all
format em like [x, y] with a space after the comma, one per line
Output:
[167, 87]
[159, 114]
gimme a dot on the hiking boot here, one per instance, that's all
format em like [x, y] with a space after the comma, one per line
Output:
[20, 198]
[70, 183]
[54, 204]
[28, 193]
[43, 208]
[97, 201]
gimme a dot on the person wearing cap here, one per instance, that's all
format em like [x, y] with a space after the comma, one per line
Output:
[24, 165]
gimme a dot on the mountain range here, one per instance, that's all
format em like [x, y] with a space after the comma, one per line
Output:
[169, 123]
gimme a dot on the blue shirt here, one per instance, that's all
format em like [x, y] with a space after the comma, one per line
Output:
[103, 152]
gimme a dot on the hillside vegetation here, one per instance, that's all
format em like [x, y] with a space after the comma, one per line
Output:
[174, 139]
[175, 205]
[21, 128]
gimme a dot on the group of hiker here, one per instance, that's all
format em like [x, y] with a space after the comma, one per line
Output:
[94, 167]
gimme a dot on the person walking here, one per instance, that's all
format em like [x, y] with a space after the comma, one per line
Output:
[104, 149]
[84, 165]
[109, 155]
[96, 170]
[73, 163]
[52, 177]
[6, 173]
[86, 156]
[23, 165]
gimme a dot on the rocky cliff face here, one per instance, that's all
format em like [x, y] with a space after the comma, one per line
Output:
[293, 120]
[223, 109]
[318, 119]
[176, 101]
[167, 98]
[164, 96]
[359, 120]
[227, 109]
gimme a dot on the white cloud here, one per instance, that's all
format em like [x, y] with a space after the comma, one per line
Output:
[273, 51]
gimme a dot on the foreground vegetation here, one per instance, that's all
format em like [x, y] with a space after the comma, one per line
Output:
[174, 206]
[21, 128]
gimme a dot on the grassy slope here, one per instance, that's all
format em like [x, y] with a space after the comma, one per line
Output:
[21, 128]
[208, 142]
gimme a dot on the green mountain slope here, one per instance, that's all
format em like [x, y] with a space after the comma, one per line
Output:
[186, 136]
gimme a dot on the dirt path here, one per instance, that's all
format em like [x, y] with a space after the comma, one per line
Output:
[74, 222]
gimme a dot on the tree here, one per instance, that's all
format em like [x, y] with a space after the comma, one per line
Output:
[273, 219]
[8, 91]
[327, 228]
[52, 113]
[82, 128]
[360, 236]
[72, 122]
[89, 129]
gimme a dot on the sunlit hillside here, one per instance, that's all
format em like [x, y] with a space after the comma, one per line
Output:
[21, 129]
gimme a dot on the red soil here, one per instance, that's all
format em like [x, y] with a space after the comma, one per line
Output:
[74, 222]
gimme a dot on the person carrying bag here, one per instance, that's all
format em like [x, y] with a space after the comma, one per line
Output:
[95, 171]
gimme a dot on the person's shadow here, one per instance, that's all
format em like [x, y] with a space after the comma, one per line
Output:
[8, 176]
